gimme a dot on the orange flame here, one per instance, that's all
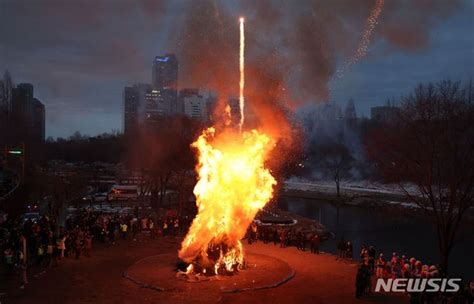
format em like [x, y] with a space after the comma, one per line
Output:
[233, 185]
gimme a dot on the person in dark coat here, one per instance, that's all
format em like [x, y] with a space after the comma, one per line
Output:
[362, 280]
[349, 250]
[371, 253]
[315, 241]
[248, 235]
[341, 248]
[302, 241]
[283, 236]
[276, 237]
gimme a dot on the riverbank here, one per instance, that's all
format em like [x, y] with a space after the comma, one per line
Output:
[388, 230]
[386, 199]
[364, 201]
[367, 195]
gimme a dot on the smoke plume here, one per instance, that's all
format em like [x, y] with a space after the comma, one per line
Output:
[293, 47]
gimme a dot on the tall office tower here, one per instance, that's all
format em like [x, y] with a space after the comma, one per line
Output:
[165, 72]
[165, 80]
[6, 87]
[6, 90]
[28, 115]
[130, 111]
[38, 121]
[22, 102]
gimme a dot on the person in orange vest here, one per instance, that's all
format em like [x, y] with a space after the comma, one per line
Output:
[61, 245]
[123, 230]
[405, 270]
[412, 262]
[144, 223]
[40, 255]
[176, 226]
[165, 227]
[380, 266]
[151, 227]
[254, 234]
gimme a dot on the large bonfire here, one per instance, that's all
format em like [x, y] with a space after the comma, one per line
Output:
[233, 185]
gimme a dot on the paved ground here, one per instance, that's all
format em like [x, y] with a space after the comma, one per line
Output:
[98, 279]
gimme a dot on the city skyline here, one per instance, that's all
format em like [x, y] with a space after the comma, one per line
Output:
[22, 114]
[83, 85]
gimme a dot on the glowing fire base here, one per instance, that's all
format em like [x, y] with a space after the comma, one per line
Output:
[220, 259]
[159, 273]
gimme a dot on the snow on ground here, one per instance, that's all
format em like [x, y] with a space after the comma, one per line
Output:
[389, 193]
[404, 204]
[364, 186]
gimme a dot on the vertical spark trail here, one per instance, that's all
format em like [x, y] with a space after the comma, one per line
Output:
[361, 51]
[242, 76]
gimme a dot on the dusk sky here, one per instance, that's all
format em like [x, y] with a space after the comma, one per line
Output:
[80, 54]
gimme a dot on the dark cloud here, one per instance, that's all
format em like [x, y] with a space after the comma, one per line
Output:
[83, 36]
[80, 53]
[407, 24]
[304, 40]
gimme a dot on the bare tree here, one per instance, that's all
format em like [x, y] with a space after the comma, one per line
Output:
[164, 156]
[430, 145]
[334, 160]
[59, 191]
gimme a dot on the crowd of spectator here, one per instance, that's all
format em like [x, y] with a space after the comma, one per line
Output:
[43, 243]
[373, 267]
[284, 236]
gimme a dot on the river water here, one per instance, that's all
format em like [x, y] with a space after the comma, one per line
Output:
[386, 232]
